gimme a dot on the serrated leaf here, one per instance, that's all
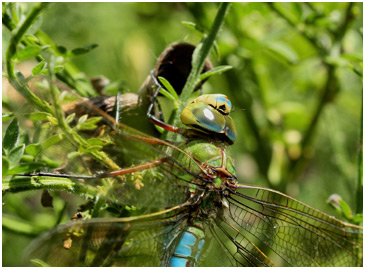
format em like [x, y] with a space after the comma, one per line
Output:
[15, 154]
[86, 49]
[215, 71]
[33, 149]
[11, 136]
[38, 116]
[38, 68]
[168, 87]
[27, 53]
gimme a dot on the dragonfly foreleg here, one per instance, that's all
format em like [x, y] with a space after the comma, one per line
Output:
[152, 117]
[116, 173]
[133, 169]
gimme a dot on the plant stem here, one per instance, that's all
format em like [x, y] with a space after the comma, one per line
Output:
[30, 183]
[25, 91]
[359, 184]
[20, 86]
[200, 54]
[71, 134]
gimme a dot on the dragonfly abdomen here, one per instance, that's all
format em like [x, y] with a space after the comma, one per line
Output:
[188, 248]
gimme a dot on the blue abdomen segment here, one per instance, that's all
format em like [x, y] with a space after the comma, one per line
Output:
[188, 249]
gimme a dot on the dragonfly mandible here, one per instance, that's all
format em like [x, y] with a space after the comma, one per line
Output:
[193, 204]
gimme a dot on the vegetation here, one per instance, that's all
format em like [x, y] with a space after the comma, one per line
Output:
[295, 84]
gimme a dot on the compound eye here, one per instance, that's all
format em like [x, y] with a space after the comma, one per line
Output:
[223, 109]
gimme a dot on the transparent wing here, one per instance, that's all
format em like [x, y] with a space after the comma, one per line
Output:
[135, 241]
[264, 227]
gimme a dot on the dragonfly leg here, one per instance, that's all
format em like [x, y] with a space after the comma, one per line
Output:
[133, 169]
[116, 173]
[152, 117]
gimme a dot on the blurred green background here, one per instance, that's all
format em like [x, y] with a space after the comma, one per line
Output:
[296, 84]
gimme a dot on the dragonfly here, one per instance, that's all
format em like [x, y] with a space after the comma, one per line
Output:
[192, 211]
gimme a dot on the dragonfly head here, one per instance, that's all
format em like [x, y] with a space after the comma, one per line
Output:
[209, 113]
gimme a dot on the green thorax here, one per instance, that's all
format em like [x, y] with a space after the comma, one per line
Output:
[207, 155]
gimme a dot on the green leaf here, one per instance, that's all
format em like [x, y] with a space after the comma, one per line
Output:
[297, 11]
[5, 75]
[5, 165]
[197, 54]
[39, 263]
[30, 38]
[98, 141]
[25, 168]
[193, 26]
[160, 129]
[52, 140]
[345, 209]
[216, 50]
[283, 50]
[169, 87]
[62, 49]
[95, 148]
[38, 68]
[88, 124]
[358, 218]
[6, 116]
[70, 118]
[33, 149]
[82, 119]
[73, 154]
[20, 226]
[20, 77]
[86, 49]
[215, 71]
[115, 86]
[167, 94]
[15, 154]
[38, 116]
[27, 53]
[11, 136]
[52, 120]
[56, 69]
